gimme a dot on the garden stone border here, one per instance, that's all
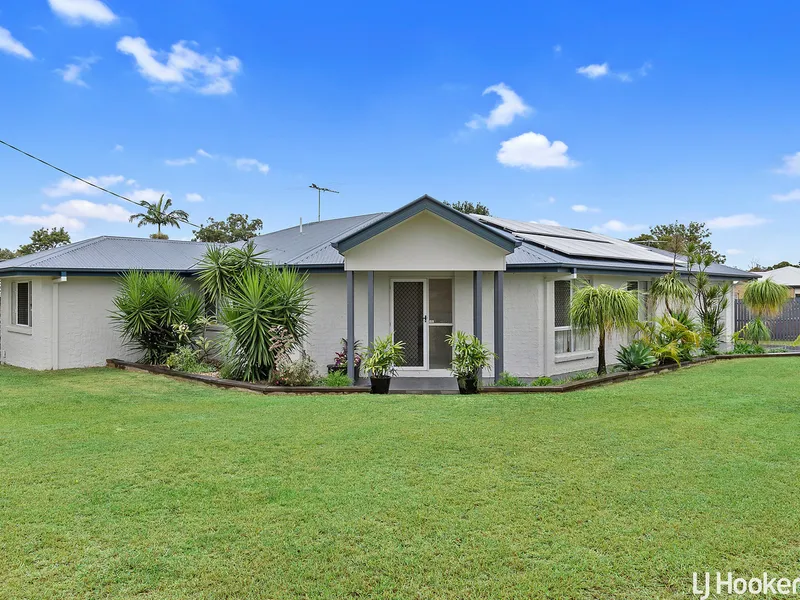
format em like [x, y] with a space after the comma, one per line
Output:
[310, 390]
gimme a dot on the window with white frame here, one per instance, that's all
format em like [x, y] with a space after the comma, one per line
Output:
[566, 339]
[22, 304]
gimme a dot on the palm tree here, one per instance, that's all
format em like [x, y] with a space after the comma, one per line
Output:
[670, 287]
[764, 298]
[602, 309]
[158, 214]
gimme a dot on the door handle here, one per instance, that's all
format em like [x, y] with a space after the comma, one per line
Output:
[425, 318]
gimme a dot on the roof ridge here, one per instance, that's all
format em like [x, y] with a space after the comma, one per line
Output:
[327, 242]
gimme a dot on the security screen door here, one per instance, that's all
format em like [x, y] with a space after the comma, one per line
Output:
[422, 315]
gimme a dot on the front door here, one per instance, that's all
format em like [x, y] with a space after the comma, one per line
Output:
[422, 317]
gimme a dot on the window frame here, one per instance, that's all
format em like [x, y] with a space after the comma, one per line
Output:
[15, 304]
[573, 337]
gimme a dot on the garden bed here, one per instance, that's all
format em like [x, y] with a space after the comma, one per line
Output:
[559, 388]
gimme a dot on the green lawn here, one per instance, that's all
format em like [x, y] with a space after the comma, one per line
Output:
[117, 484]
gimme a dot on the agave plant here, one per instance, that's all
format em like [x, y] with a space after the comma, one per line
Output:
[155, 312]
[635, 356]
[602, 309]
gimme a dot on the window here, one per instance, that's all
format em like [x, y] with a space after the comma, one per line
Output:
[642, 289]
[566, 339]
[22, 304]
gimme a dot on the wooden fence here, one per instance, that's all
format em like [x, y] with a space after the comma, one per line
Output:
[785, 326]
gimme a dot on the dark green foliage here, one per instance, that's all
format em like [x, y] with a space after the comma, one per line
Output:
[160, 215]
[44, 239]
[637, 355]
[6, 254]
[506, 379]
[335, 379]
[542, 381]
[469, 208]
[150, 310]
[186, 359]
[709, 345]
[678, 238]
[670, 340]
[744, 347]
[236, 228]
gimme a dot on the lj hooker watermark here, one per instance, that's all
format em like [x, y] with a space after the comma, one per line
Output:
[705, 584]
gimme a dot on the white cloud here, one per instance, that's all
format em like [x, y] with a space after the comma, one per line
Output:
[182, 67]
[557, 49]
[67, 186]
[250, 164]
[792, 196]
[192, 197]
[551, 200]
[77, 12]
[614, 226]
[90, 210]
[119, 148]
[594, 71]
[549, 222]
[743, 220]
[534, 151]
[582, 208]
[180, 162]
[791, 164]
[204, 154]
[146, 195]
[511, 106]
[734, 251]
[9, 45]
[73, 72]
[49, 221]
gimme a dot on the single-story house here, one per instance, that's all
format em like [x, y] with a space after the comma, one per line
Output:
[422, 272]
[788, 276]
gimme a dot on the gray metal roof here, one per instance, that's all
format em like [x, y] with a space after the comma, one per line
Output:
[311, 248]
[111, 254]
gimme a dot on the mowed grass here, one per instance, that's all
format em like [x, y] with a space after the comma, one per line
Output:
[117, 484]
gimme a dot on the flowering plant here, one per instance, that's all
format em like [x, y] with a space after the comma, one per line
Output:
[340, 358]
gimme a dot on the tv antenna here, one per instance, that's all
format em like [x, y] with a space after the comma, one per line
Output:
[314, 186]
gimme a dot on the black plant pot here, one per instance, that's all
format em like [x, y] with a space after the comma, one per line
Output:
[468, 385]
[379, 385]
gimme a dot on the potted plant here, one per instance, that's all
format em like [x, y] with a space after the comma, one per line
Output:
[469, 357]
[381, 363]
[340, 360]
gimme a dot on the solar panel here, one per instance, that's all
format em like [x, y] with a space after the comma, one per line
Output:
[608, 248]
[540, 229]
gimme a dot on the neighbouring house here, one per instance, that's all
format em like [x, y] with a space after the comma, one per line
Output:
[788, 276]
[422, 272]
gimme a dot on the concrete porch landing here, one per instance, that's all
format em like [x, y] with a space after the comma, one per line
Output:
[419, 385]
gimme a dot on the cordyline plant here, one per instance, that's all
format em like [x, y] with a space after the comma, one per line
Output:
[710, 299]
[156, 313]
[764, 298]
[254, 298]
[602, 309]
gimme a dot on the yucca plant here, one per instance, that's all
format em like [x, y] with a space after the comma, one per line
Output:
[673, 291]
[154, 312]
[600, 310]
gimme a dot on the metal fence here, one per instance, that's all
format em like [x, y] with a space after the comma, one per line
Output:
[785, 326]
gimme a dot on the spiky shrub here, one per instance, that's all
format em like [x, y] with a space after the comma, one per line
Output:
[764, 298]
[542, 381]
[335, 379]
[155, 312]
[506, 379]
[670, 340]
[710, 299]
[636, 356]
[600, 310]
[673, 291]
[384, 357]
[470, 355]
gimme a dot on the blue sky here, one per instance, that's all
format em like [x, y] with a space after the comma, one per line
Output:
[587, 114]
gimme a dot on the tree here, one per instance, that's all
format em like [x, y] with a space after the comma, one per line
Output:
[678, 237]
[602, 309]
[710, 299]
[6, 254]
[764, 298]
[158, 214]
[44, 239]
[670, 288]
[236, 228]
[780, 265]
[469, 208]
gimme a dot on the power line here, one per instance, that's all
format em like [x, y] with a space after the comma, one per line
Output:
[94, 185]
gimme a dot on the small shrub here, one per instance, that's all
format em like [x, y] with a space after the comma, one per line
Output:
[542, 381]
[709, 345]
[335, 379]
[637, 355]
[300, 372]
[742, 347]
[508, 380]
[186, 359]
[581, 376]
[777, 350]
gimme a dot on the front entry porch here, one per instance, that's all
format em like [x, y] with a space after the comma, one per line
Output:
[422, 309]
